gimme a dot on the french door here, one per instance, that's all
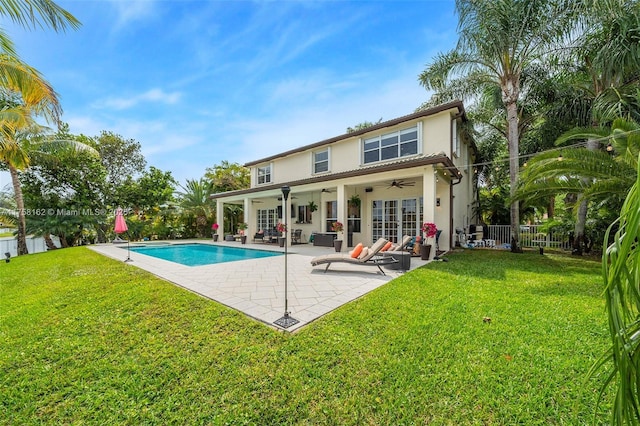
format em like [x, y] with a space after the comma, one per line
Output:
[391, 219]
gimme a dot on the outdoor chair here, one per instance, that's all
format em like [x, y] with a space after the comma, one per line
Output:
[296, 237]
[413, 245]
[271, 236]
[372, 257]
[259, 236]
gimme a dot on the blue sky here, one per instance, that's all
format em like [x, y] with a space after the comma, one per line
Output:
[199, 82]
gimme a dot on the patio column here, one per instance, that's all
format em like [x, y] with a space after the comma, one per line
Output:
[341, 198]
[220, 219]
[429, 178]
[248, 214]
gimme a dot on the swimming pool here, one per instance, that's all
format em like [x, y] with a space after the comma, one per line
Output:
[201, 254]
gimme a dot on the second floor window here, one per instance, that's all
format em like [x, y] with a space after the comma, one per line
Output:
[321, 161]
[391, 145]
[264, 174]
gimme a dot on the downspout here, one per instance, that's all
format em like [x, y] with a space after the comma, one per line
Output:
[451, 185]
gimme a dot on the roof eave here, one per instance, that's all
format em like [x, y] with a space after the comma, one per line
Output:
[417, 162]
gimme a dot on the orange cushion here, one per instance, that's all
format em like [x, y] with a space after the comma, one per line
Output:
[356, 251]
[387, 246]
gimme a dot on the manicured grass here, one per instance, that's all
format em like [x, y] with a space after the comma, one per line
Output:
[88, 340]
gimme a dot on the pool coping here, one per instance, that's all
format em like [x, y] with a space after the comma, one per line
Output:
[272, 253]
[256, 287]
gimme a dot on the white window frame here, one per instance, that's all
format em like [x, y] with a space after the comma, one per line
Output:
[266, 219]
[314, 162]
[398, 133]
[269, 174]
[331, 217]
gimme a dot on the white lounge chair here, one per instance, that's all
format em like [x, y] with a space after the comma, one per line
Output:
[372, 257]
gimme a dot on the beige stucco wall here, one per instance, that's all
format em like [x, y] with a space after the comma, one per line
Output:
[436, 132]
[435, 135]
[345, 155]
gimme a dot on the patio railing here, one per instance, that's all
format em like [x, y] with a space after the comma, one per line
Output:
[530, 236]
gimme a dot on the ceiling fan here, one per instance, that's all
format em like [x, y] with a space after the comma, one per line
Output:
[399, 183]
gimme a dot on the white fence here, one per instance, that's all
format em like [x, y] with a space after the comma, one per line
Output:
[530, 236]
[34, 245]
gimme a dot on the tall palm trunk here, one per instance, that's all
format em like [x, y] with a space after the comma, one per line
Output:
[22, 224]
[510, 95]
[581, 220]
[49, 242]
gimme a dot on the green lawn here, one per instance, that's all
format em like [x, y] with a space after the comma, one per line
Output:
[88, 340]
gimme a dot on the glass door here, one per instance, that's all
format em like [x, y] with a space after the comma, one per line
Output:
[410, 223]
[384, 214]
[391, 219]
[377, 219]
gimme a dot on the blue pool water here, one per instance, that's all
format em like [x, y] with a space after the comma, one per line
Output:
[202, 254]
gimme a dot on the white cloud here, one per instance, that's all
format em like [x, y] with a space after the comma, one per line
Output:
[150, 96]
[129, 11]
[315, 121]
[85, 125]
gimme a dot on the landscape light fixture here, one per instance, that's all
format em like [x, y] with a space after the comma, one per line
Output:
[8, 257]
[128, 259]
[286, 321]
[609, 148]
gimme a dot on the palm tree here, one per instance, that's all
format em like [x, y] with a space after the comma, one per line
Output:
[603, 72]
[25, 91]
[498, 41]
[603, 174]
[195, 200]
[17, 152]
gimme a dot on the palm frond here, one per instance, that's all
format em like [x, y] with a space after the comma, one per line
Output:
[36, 93]
[621, 272]
[582, 133]
[41, 13]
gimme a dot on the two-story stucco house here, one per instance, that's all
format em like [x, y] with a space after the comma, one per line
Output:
[404, 172]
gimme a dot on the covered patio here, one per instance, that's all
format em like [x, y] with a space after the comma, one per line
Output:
[388, 201]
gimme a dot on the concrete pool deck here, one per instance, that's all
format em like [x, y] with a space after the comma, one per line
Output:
[256, 287]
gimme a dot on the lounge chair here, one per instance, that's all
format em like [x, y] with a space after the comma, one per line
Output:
[259, 236]
[372, 257]
[406, 240]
